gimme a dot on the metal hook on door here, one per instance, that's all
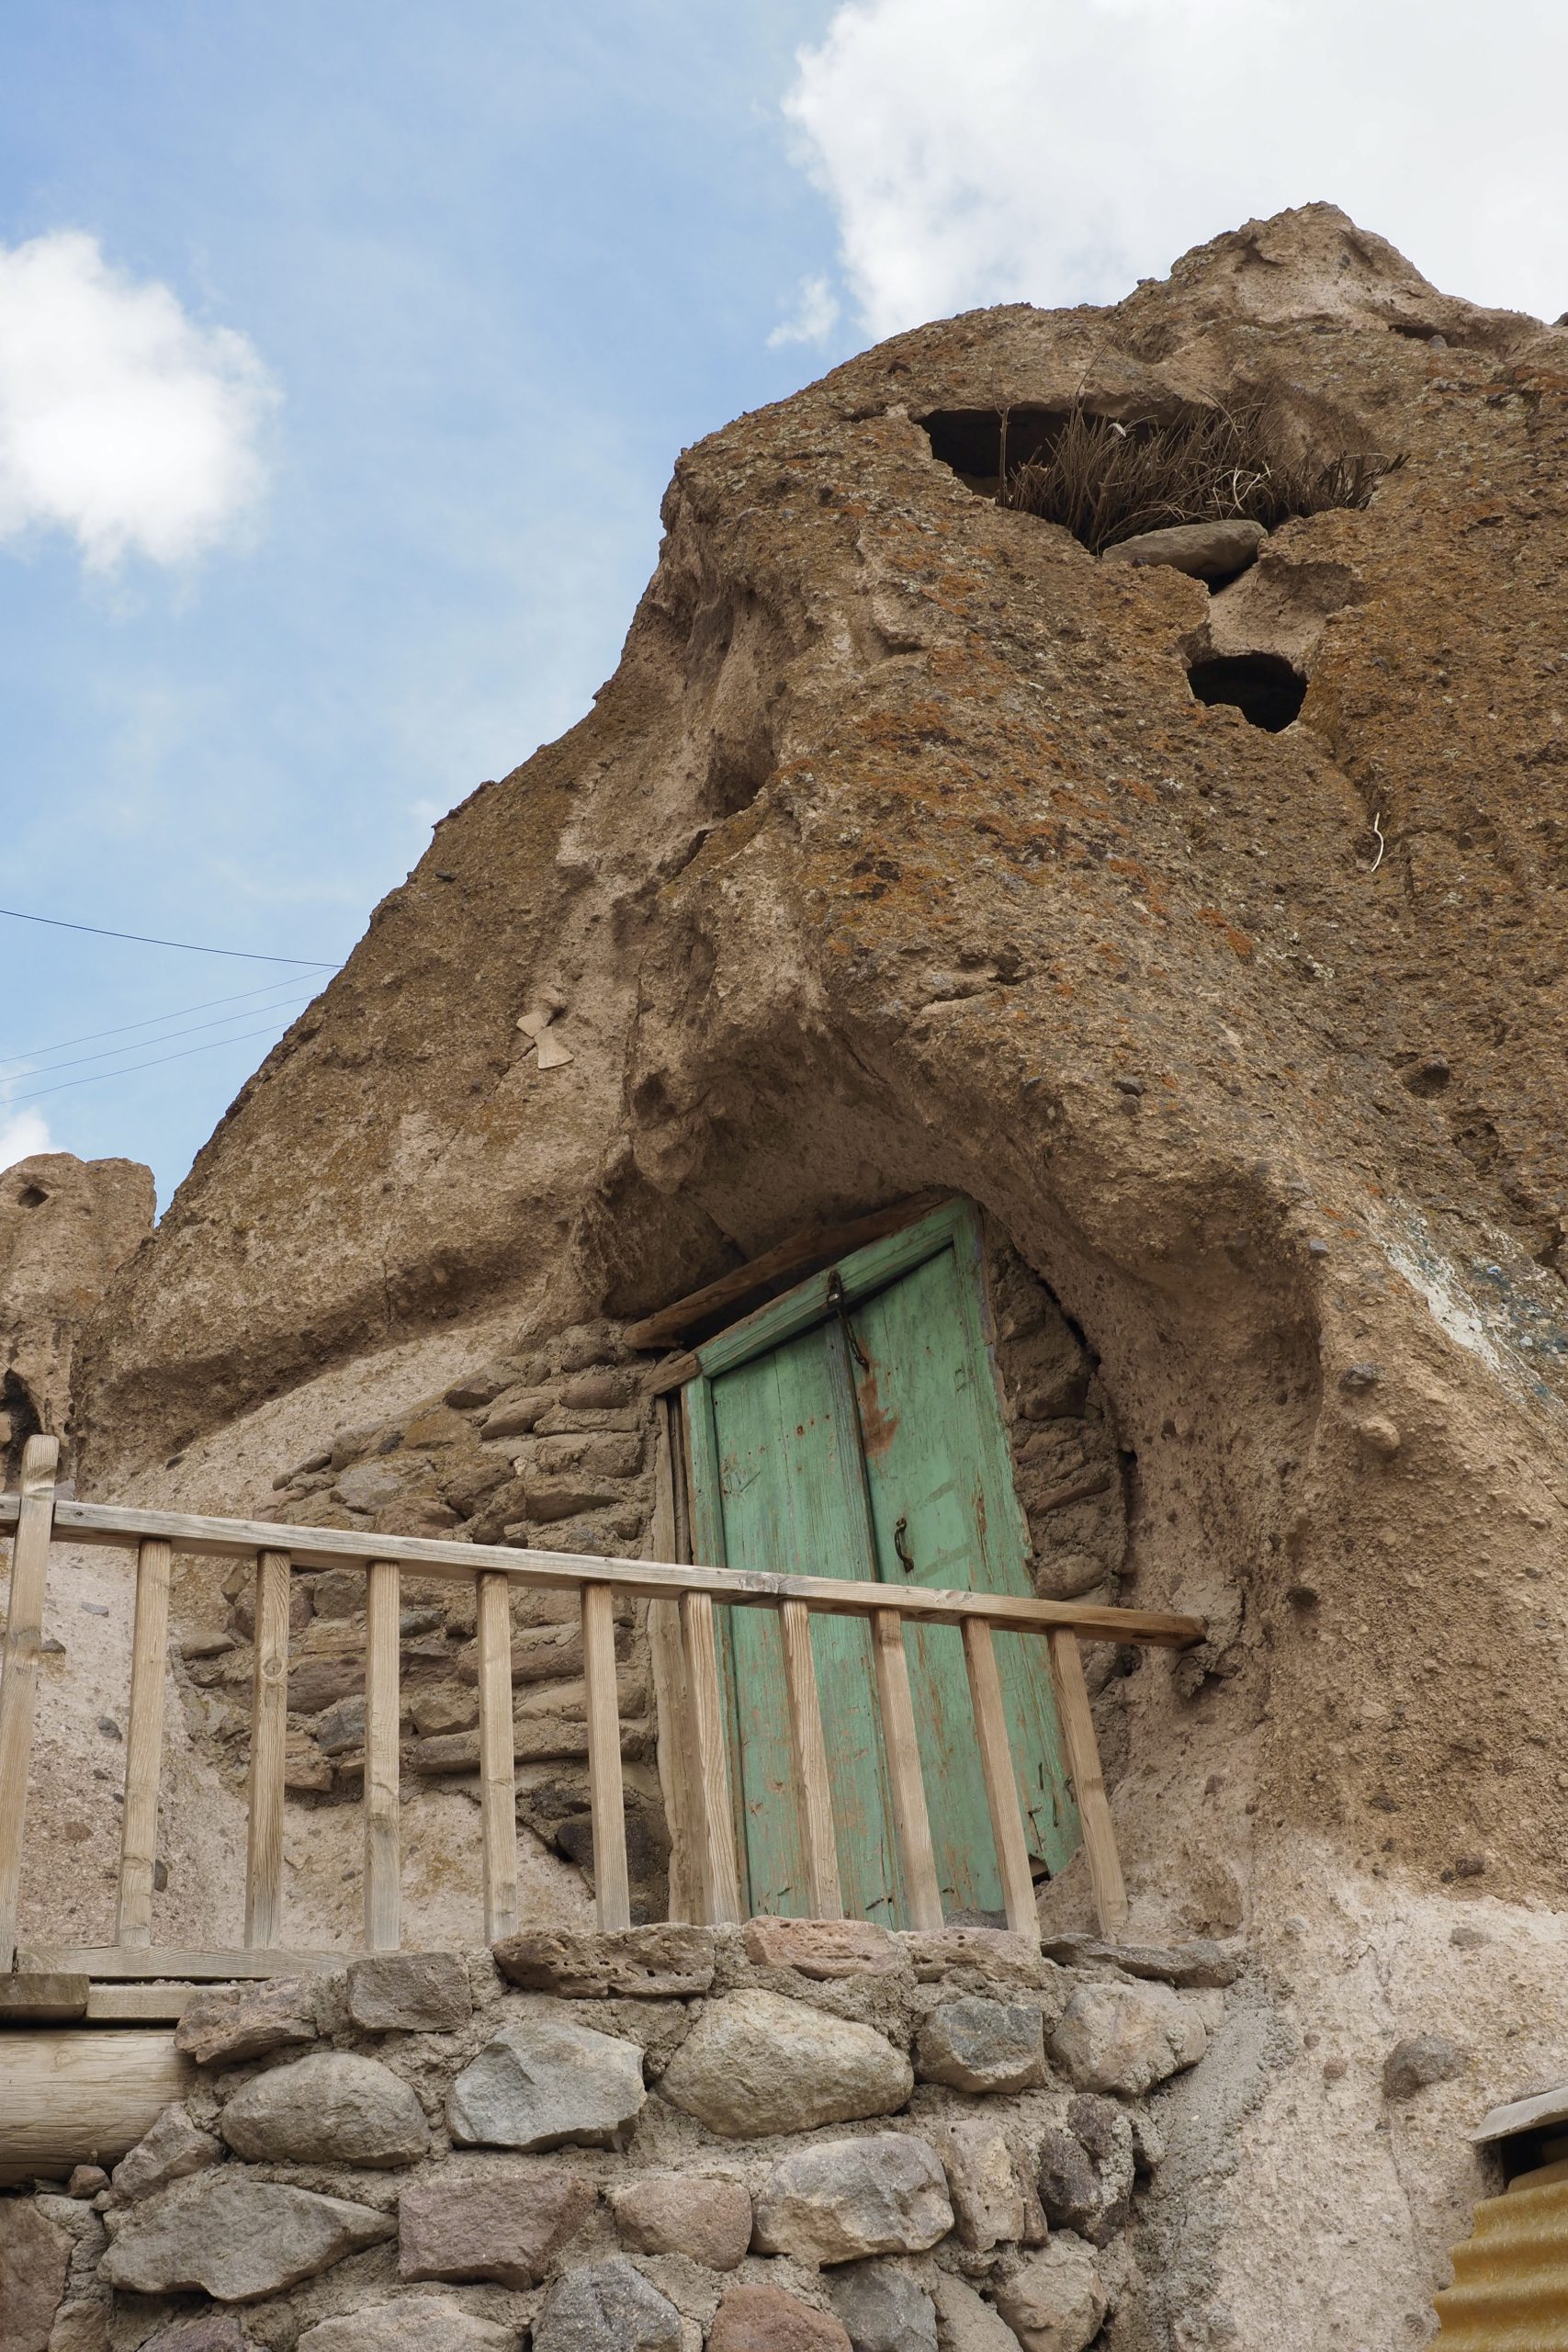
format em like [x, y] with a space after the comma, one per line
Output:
[901, 1545]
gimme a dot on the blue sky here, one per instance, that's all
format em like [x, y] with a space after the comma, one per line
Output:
[345, 350]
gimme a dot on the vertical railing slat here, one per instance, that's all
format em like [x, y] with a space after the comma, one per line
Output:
[611, 1879]
[1089, 1784]
[809, 1751]
[671, 1698]
[922, 1889]
[1001, 1784]
[269, 1724]
[383, 1825]
[145, 1745]
[19, 1681]
[498, 1775]
[715, 1839]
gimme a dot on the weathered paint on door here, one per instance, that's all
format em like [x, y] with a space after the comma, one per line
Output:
[852, 1429]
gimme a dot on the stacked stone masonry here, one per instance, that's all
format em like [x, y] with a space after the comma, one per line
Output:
[786, 2138]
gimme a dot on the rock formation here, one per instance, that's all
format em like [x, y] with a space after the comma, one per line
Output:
[1207, 932]
[67, 1225]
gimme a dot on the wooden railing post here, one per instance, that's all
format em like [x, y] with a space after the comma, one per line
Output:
[710, 1780]
[611, 1879]
[922, 1889]
[19, 1681]
[809, 1751]
[1088, 1785]
[145, 1745]
[383, 1826]
[498, 1771]
[269, 1727]
[1002, 1785]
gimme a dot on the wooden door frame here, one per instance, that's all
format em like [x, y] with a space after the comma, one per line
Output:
[955, 1225]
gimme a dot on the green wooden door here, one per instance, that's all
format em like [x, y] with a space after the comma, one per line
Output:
[852, 1429]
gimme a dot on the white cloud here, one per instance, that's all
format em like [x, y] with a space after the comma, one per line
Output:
[1055, 151]
[22, 1134]
[814, 316]
[122, 420]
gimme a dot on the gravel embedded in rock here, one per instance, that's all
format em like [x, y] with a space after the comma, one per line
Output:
[549, 2083]
[841, 2199]
[331, 2108]
[1418, 2062]
[462, 2225]
[607, 2307]
[755, 2062]
[686, 2213]
[975, 2044]
[232, 2236]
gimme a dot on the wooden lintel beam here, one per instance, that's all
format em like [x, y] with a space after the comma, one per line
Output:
[818, 1245]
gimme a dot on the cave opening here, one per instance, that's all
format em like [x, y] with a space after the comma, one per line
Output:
[1264, 687]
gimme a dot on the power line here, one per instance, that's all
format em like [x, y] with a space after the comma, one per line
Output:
[10, 1102]
[243, 996]
[44, 1069]
[240, 955]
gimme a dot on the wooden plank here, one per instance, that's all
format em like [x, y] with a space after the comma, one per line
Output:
[144, 1745]
[52, 1996]
[1088, 1785]
[716, 1843]
[19, 1677]
[71, 2099]
[814, 1247]
[498, 1776]
[1001, 1782]
[669, 1693]
[269, 1724]
[151, 2004]
[814, 1791]
[114, 1964]
[383, 1824]
[331, 1547]
[922, 1893]
[672, 1373]
[610, 1881]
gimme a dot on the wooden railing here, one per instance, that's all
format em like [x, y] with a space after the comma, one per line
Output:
[692, 1717]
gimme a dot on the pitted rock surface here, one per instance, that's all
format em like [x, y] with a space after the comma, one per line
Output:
[549, 2083]
[841, 2199]
[979, 2045]
[654, 1964]
[607, 2306]
[1126, 2038]
[982, 2180]
[882, 2309]
[415, 2323]
[755, 2062]
[823, 1949]
[465, 2227]
[690, 2213]
[331, 2108]
[234, 2237]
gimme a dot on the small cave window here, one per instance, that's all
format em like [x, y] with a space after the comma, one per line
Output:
[31, 1196]
[1263, 686]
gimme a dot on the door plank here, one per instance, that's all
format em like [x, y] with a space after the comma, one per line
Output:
[1001, 1786]
[1094, 1806]
[809, 1755]
[910, 1820]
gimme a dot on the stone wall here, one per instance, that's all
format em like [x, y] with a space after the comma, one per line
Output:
[65, 1226]
[796, 2137]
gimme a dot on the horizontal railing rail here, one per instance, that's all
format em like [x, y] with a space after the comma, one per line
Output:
[35, 1519]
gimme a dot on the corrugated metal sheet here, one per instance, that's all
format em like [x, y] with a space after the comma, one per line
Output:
[1510, 2289]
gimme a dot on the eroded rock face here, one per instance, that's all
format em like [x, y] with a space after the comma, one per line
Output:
[755, 2062]
[67, 1226]
[546, 2082]
[234, 2237]
[332, 2108]
[233, 2022]
[33, 2258]
[843, 2199]
[602, 2305]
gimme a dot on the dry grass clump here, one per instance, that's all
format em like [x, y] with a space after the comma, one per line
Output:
[1105, 481]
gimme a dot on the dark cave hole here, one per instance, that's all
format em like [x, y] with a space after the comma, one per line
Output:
[31, 1196]
[1263, 687]
[22, 1421]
